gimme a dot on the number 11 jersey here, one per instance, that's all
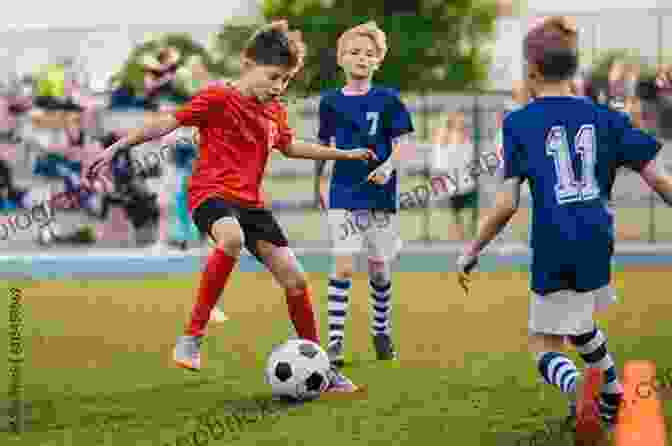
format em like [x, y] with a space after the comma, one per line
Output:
[568, 149]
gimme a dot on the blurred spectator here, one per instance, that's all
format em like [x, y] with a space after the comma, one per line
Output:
[453, 157]
[132, 194]
[15, 99]
[196, 75]
[160, 77]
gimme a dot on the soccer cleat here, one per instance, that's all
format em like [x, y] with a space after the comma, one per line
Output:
[217, 315]
[589, 430]
[338, 382]
[335, 353]
[187, 353]
[384, 347]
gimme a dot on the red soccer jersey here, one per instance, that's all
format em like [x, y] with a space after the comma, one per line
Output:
[237, 134]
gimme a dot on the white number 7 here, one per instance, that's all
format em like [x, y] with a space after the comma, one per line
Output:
[372, 116]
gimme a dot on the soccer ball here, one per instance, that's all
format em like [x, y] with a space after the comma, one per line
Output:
[298, 370]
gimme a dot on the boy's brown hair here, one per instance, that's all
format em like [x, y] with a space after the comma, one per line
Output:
[275, 44]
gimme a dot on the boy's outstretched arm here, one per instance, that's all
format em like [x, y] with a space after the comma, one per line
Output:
[660, 181]
[306, 150]
[161, 126]
[507, 201]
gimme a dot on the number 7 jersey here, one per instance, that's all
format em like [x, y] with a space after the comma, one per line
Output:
[568, 149]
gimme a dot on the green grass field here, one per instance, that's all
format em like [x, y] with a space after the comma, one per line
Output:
[99, 369]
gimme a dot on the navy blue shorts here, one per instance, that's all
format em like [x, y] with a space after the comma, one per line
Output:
[578, 267]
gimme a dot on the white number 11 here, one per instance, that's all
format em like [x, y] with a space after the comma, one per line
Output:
[568, 189]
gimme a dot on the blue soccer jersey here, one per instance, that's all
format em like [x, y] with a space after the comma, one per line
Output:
[568, 150]
[371, 120]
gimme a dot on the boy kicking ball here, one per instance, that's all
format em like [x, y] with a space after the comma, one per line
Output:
[239, 125]
[362, 200]
[568, 150]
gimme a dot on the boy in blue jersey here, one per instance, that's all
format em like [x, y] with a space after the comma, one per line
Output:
[568, 150]
[362, 198]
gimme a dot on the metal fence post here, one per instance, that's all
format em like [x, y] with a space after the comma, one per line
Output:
[426, 173]
[477, 156]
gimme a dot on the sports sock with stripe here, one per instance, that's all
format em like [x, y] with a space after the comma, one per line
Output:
[380, 283]
[558, 370]
[338, 301]
[592, 347]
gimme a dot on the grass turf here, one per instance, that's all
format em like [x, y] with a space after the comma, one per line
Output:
[99, 367]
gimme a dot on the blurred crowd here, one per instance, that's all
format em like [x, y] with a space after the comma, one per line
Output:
[51, 126]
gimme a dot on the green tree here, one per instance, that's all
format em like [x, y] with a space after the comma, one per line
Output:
[433, 45]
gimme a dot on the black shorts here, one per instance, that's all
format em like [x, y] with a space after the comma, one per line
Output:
[257, 224]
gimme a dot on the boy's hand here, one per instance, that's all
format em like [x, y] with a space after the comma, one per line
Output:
[96, 170]
[382, 174]
[465, 264]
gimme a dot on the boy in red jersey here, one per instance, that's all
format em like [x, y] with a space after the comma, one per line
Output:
[239, 125]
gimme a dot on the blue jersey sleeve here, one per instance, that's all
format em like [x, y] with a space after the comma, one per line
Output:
[636, 147]
[327, 119]
[400, 119]
[513, 156]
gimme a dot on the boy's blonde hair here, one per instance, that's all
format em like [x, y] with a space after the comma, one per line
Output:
[370, 30]
[271, 39]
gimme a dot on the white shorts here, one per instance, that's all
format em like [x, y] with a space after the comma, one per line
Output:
[568, 312]
[376, 231]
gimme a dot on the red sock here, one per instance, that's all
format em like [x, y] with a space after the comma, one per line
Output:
[213, 280]
[300, 307]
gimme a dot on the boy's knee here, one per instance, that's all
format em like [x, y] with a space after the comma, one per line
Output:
[229, 237]
[344, 268]
[296, 283]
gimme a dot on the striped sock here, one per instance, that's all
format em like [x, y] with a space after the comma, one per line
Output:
[558, 370]
[381, 296]
[592, 347]
[337, 306]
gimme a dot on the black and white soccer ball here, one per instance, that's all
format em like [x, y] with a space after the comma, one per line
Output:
[298, 370]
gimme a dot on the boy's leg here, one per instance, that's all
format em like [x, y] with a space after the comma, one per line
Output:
[217, 219]
[265, 239]
[383, 244]
[346, 240]
[552, 317]
[269, 245]
[594, 273]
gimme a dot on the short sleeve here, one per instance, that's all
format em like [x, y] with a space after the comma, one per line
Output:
[636, 147]
[400, 119]
[286, 134]
[327, 128]
[512, 154]
[196, 111]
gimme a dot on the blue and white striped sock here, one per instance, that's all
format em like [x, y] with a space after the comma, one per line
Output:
[381, 297]
[337, 307]
[558, 370]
